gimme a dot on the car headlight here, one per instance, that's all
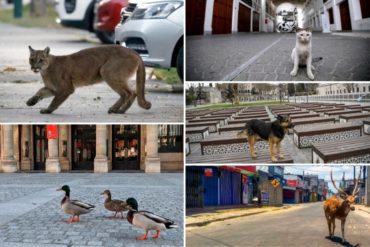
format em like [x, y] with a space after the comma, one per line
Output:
[155, 10]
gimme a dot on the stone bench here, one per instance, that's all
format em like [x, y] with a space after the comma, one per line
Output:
[353, 151]
[213, 125]
[250, 116]
[311, 121]
[196, 134]
[341, 112]
[366, 126]
[187, 146]
[324, 109]
[306, 115]
[228, 144]
[300, 112]
[366, 109]
[353, 117]
[245, 120]
[231, 127]
[305, 136]
[222, 120]
[263, 156]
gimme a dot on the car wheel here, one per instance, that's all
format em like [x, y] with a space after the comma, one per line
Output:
[180, 63]
[105, 37]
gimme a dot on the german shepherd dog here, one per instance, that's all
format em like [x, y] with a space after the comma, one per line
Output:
[273, 132]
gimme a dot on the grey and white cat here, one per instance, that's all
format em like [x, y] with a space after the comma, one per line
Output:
[301, 54]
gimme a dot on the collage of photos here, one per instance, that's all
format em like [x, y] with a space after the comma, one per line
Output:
[184, 123]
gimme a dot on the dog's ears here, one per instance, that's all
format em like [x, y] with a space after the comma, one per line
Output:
[279, 117]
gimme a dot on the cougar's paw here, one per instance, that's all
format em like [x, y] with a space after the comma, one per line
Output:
[32, 101]
[293, 73]
[146, 105]
[46, 111]
[310, 75]
[112, 110]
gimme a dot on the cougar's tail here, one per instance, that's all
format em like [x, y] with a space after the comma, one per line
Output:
[140, 86]
[316, 59]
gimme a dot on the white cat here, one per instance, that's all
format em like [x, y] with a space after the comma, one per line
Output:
[301, 54]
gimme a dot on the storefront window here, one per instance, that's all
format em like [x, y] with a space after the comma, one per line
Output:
[126, 147]
[170, 139]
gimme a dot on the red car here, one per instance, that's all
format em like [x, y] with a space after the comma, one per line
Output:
[107, 16]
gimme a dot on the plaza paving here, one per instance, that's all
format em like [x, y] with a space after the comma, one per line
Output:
[30, 213]
[266, 57]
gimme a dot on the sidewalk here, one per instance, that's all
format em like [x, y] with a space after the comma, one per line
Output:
[363, 208]
[204, 216]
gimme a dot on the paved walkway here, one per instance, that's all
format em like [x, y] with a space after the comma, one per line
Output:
[266, 57]
[30, 213]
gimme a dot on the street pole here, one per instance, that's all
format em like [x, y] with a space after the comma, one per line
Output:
[17, 9]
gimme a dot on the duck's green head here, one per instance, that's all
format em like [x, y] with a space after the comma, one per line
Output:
[65, 188]
[132, 203]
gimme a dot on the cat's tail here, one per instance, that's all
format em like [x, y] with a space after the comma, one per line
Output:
[140, 86]
[316, 59]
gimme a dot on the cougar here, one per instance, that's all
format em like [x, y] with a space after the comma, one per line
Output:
[113, 64]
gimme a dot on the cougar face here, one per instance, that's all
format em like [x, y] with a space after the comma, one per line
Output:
[39, 59]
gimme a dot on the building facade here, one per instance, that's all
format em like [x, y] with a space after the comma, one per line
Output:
[337, 15]
[98, 148]
[342, 88]
[229, 16]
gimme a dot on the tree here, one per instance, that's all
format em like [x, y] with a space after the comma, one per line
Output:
[236, 93]
[200, 94]
[38, 8]
[190, 95]
[291, 89]
[350, 87]
[228, 93]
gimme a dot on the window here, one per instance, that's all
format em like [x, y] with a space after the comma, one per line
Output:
[365, 8]
[170, 139]
[369, 89]
[364, 89]
[358, 89]
[331, 17]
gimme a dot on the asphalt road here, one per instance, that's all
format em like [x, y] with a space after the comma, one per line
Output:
[302, 225]
[87, 104]
[266, 57]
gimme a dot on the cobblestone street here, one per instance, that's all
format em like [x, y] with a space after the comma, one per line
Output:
[30, 213]
[266, 57]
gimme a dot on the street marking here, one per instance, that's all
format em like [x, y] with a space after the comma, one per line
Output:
[231, 76]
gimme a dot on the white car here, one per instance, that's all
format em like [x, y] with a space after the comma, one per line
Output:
[76, 13]
[155, 29]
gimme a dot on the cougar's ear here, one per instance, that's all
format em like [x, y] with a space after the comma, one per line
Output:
[47, 50]
[31, 49]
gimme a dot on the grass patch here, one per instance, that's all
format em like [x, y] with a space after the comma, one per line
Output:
[6, 16]
[168, 76]
[225, 105]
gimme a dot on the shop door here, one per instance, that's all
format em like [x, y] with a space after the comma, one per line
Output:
[40, 143]
[256, 22]
[126, 147]
[195, 13]
[345, 16]
[244, 19]
[222, 13]
[84, 147]
[210, 183]
[194, 188]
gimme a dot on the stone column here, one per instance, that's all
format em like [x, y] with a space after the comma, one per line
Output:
[101, 160]
[152, 160]
[63, 155]
[26, 148]
[52, 162]
[8, 163]
[367, 187]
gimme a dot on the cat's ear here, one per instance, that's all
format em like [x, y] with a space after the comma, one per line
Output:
[31, 49]
[47, 50]
[298, 29]
[309, 29]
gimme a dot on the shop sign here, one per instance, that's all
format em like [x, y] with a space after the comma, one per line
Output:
[52, 131]
[208, 172]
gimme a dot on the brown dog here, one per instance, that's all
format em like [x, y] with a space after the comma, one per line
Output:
[273, 132]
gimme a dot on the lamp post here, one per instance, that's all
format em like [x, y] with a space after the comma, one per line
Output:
[17, 9]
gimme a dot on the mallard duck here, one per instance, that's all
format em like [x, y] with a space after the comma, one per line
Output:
[114, 205]
[147, 220]
[74, 207]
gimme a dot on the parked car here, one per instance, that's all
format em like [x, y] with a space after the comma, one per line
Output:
[81, 14]
[76, 13]
[107, 16]
[155, 29]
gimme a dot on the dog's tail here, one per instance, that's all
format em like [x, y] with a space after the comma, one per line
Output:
[316, 59]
